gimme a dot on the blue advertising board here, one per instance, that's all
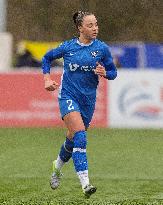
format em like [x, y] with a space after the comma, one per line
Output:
[126, 55]
[154, 55]
[138, 55]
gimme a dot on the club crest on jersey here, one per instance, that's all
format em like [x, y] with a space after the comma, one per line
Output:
[94, 53]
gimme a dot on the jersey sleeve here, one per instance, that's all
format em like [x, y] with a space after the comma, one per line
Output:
[52, 55]
[111, 70]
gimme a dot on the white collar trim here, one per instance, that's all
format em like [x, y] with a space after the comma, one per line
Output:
[82, 44]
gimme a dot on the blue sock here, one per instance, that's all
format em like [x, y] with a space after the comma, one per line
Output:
[66, 150]
[79, 151]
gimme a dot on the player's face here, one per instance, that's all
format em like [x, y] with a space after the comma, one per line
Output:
[89, 27]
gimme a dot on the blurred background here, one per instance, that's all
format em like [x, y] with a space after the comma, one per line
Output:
[132, 28]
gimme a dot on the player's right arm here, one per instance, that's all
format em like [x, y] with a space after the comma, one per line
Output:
[51, 55]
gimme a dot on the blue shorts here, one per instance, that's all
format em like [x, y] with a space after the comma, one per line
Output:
[69, 104]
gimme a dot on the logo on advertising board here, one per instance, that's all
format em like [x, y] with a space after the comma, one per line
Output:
[141, 100]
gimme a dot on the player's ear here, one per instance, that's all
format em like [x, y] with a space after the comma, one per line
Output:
[80, 29]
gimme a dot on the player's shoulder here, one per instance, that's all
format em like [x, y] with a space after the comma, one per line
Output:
[68, 43]
[102, 43]
[104, 47]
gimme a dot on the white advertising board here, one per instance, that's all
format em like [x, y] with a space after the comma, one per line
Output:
[136, 99]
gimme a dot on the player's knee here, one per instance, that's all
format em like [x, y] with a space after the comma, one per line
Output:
[80, 139]
[78, 128]
[72, 132]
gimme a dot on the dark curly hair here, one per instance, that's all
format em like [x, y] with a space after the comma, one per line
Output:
[78, 17]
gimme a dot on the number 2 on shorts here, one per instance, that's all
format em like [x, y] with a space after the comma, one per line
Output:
[70, 106]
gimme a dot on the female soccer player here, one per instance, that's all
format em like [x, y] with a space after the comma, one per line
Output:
[86, 59]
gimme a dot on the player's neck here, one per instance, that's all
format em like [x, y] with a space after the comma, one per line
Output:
[84, 40]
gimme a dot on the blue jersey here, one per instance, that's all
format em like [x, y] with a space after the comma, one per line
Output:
[79, 79]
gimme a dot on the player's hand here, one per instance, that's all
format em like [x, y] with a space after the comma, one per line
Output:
[100, 70]
[51, 85]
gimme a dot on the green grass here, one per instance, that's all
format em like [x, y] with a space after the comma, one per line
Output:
[125, 165]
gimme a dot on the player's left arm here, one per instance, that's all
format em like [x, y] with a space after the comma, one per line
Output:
[106, 68]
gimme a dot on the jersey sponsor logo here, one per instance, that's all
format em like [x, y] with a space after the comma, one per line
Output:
[74, 67]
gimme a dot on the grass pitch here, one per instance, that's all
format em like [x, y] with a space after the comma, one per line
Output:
[125, 165]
